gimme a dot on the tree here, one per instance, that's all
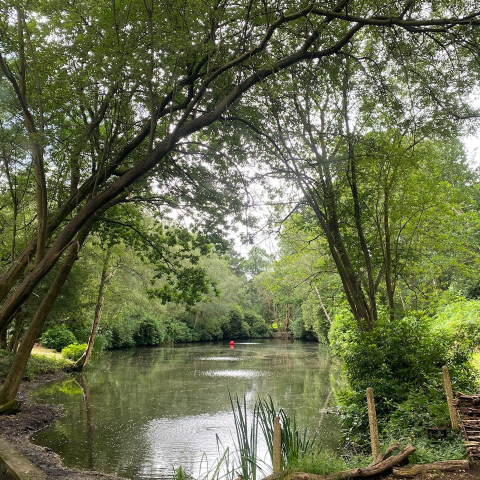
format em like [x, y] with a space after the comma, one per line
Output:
[373, 194]
[100, 122]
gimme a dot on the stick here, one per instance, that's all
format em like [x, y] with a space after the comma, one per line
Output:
[447, 385]
[277, 445]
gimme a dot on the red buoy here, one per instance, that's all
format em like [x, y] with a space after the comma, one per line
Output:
[232, 343]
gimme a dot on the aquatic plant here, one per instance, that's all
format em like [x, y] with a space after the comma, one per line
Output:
[295, 445]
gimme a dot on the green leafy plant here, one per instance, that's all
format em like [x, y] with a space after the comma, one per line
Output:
[147, 333]
[74, 351]
[57, 337]
[402, 362]
[247, 438]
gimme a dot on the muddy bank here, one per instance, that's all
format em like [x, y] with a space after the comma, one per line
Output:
[32, 418]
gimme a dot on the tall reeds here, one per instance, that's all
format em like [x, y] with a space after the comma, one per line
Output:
[244, 461]
[294, 444]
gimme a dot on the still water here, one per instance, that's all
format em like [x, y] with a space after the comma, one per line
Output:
[140, 413]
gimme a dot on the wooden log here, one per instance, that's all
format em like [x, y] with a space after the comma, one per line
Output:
[388, 453]
[372, 421]
[449, 394]
[365, 472]
[447, 466]
[277, 445]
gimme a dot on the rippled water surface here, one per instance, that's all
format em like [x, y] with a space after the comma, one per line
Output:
[140, 413]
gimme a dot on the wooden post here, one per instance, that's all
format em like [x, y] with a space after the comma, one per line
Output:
[372, 420]
[449, 394]
[277, 445]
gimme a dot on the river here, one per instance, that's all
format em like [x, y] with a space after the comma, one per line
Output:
[142, 412]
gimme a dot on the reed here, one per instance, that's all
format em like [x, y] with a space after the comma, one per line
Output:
[243, 461]
[295, 444]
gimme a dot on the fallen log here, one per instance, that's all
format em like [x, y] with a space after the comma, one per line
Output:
[364, 472]
[388, 453]
[446, 466]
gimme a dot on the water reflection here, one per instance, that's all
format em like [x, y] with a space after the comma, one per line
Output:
[141, 413]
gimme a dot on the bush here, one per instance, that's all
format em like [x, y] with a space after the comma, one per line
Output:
[235, 326]
[103, 340]
[57, 337]
[402, 362]
[147, 333]
[460, 320]
[122, 336]
[74, 351]
[177, 331]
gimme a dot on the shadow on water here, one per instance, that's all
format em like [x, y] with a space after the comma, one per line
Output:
[141, 413]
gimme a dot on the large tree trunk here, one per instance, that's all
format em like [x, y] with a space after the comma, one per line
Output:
[184, 127]
[10, 387]
[35, 135]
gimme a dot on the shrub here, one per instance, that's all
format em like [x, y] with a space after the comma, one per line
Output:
[147, 333]
[74, 351]
[57, 337]
[460, 320]
[235, 326]
[259, 329]
[103, 340]
[178, 331]
[402, 362]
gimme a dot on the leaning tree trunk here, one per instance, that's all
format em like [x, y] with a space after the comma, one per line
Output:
[10, 387]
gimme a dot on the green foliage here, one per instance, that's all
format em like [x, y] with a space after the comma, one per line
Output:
[449, 446]
[247, 439]
[460, 320]
[102, 341]
[402, 362]
[121, 336]
[37, 364]
[181, 474]
[74, 351]
[320, 463]
[57, 337]
[257, 327]
[234, 326]
[295, 445]
[147, 333]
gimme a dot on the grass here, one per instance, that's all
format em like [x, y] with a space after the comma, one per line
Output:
[42, 360]
[476, 361]
[38, 350]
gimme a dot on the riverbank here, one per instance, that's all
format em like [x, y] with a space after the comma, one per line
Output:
[32, 418]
